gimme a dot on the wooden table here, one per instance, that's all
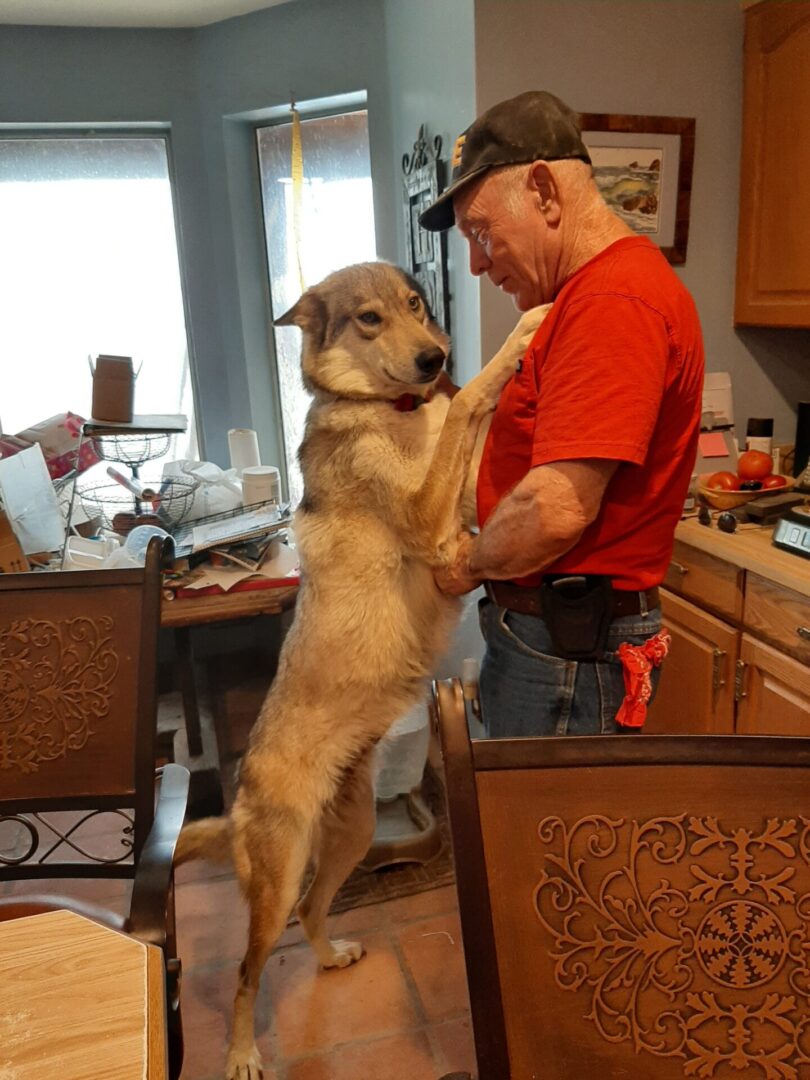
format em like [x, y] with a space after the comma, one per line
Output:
[79, 1000]
[232, 605]
[181, 615]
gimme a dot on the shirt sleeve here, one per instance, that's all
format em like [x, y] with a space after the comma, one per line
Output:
[602, 381]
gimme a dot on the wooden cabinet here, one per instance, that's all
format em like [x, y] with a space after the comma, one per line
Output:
[773, 249]
[696, 690]
[773, 691]
[778, 615]
[740, 655]
[713, 583]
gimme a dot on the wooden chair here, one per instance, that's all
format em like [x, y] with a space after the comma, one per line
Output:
[632, 906]
[78, 658]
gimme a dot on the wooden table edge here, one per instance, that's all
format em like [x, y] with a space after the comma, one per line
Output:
[197, 611]
[157, 1045]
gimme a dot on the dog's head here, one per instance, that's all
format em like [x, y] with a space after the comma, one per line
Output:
[368, 332]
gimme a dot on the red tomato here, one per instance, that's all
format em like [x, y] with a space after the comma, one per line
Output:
[773, 481]
[754, 465]
[723, 481]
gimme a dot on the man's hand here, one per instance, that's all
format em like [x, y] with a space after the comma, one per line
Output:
[456, 579]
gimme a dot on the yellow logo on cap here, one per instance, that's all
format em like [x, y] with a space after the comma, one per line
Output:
[456, 160]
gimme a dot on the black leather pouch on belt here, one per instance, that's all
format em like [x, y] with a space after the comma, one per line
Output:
[577, 609]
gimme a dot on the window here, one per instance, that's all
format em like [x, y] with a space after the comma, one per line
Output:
[335, 227]
[89, 265]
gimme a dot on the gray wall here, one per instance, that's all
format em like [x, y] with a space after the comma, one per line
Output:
[309, 49]
[431, 67]
[668, 57]
[199, 84]
[431, 72]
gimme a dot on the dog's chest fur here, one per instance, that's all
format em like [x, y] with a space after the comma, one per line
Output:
[350, 445]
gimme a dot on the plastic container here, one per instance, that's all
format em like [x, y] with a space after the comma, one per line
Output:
[137, 541]
[86, 554]
[402, 754]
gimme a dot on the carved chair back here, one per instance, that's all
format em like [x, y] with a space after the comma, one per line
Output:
[78, 656]
[632, 906]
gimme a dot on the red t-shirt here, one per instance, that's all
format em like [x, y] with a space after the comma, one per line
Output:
[615, 372]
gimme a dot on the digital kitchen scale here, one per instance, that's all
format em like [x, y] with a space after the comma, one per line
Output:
[792, 532]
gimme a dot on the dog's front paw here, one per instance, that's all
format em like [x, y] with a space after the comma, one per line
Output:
[344, 953]
[243, 1065]
[521, 337]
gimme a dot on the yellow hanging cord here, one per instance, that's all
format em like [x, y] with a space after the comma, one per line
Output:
[297, 170]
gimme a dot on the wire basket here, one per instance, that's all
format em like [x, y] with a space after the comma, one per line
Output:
[132, 449]
[165, 503]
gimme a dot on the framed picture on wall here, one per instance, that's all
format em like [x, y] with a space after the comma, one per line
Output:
[643, 168]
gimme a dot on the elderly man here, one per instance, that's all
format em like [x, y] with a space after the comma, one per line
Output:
[590, 452]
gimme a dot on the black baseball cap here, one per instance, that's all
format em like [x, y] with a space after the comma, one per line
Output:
[535, 126]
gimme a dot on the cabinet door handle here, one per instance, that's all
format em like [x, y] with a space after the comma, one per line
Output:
[803, 632]
[679, 568]
[739, 681]
[718, 668]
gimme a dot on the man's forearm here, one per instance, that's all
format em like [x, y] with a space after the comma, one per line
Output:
[540, 519]
[516, 541]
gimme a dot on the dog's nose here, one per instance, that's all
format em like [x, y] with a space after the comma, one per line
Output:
[430, 361]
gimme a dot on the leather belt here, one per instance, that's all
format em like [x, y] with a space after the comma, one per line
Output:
[529, 601]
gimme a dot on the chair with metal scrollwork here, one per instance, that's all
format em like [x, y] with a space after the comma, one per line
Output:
[78, 660]
[632, 906]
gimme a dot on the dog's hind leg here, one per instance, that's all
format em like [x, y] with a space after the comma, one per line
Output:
[346, 832]
[279, 849]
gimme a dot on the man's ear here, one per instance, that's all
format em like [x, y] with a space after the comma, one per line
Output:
[544, 185]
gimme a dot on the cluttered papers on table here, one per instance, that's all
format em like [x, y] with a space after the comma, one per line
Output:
[230, 529]
[281, 565]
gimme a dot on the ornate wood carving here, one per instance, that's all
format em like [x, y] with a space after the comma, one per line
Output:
[426, 252]
[687, 937]
[55, 682]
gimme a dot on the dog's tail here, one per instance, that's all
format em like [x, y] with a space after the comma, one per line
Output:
[209, 838]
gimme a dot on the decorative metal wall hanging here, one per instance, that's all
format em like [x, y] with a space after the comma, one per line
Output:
[426, 252]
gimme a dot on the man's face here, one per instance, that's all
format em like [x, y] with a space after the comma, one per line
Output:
[505, 241]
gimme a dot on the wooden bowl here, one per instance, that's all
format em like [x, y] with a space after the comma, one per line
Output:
[729, 500]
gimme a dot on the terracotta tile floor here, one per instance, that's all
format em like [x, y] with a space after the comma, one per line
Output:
[401, 1013]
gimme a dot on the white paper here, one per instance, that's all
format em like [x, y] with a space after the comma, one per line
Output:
[282, 562]
[225, 577]
[30, 501]
[231, 529]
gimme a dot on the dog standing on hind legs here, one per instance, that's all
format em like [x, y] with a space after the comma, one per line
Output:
[382, 491]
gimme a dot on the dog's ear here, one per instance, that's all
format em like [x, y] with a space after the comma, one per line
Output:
[309, 313]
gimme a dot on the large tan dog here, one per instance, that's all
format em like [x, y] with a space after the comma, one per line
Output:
[380, 510]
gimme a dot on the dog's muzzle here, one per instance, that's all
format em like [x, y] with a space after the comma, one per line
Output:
[430, 361]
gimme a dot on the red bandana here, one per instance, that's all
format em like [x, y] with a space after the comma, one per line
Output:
[638, 661]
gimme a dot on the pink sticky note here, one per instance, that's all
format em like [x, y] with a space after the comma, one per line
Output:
[712, 444]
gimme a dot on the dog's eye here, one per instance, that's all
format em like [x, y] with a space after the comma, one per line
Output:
[414, 303]
[370, 318]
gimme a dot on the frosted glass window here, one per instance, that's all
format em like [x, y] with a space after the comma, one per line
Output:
[89, 265]
[336, 229]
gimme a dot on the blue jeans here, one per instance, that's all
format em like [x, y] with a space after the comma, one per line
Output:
[527, 690]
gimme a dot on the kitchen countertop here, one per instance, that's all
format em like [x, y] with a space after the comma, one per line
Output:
[750, 548]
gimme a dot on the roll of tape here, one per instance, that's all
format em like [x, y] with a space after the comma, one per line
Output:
[243, 445]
